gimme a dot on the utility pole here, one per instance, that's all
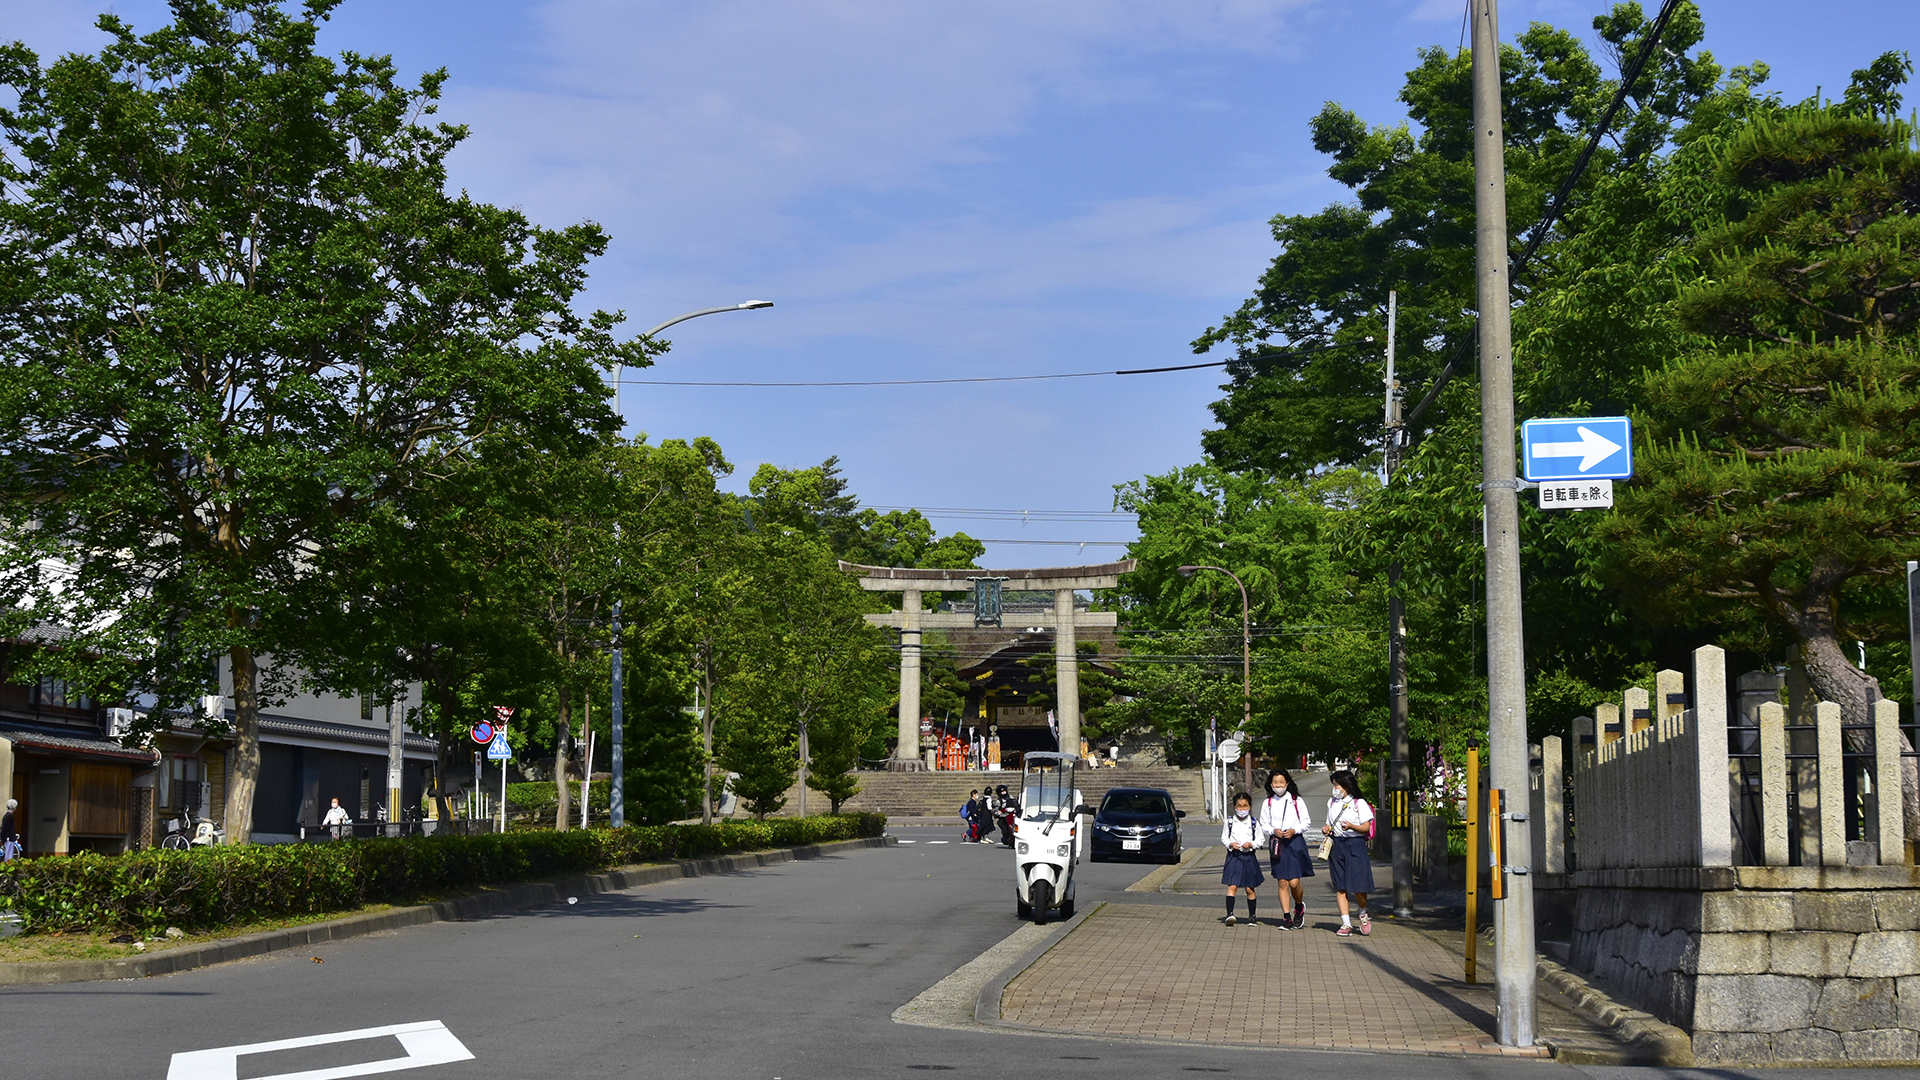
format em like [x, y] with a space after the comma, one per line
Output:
[1399, 791]
[396, 769]
[616, 738]
[1506, 671]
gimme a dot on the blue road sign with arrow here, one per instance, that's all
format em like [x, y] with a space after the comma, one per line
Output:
[1579, 448]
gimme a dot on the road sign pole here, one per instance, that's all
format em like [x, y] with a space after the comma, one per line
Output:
[1506, 672]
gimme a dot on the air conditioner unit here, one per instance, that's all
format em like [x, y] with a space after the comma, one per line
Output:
[213, 707]
[119, 723]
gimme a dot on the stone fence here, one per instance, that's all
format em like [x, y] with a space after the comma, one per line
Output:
[1737, 876]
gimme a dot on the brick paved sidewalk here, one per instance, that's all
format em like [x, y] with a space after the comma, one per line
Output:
[1160, 970]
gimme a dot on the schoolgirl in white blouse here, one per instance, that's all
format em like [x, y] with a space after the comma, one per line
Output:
[1349, 823]
[1242, 836]
[1285, 819]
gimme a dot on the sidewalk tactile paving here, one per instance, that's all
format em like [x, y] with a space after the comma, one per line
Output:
[1160, 971]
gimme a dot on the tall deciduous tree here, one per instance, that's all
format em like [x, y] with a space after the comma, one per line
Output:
[238, 312]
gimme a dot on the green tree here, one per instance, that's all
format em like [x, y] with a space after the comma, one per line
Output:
[1775, 491]
[1410, 228]
[810, 676]
[238, 311]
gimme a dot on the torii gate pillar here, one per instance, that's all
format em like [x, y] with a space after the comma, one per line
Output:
[1062, 581]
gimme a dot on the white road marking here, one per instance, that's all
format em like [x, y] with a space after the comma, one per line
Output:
[939, 841]
[906, 841]
[427, 1042]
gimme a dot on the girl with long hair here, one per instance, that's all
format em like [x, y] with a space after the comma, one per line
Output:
[1350, 823]
[1285, 819]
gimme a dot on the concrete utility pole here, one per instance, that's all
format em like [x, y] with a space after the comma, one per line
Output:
[1399, 791]
[1506, 671]
[396, 768]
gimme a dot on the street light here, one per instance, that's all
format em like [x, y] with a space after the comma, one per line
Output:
[1246, 663]
[617, 803]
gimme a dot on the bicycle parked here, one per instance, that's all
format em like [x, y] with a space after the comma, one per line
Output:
[191, 831]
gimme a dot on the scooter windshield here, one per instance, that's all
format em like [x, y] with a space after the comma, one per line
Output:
[1048, 795]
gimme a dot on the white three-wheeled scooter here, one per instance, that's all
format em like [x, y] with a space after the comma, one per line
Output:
[1046, 841]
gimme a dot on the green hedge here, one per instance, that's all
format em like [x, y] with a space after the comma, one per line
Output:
[150, 890]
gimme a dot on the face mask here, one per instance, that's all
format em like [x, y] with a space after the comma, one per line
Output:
[1240, 813]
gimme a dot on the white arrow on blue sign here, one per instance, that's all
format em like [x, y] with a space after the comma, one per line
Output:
[498, 750]
[1579, 448]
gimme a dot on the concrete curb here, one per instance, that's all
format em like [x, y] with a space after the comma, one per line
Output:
[476, 906]
[986, 1007]
[1654, 1041]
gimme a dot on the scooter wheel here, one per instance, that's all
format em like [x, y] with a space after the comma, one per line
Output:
[1040, 898]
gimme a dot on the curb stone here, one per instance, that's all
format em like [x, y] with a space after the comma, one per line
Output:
[501, 901]
[1653, 1041]
[986, 1007]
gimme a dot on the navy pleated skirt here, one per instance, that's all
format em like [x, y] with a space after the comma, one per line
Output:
[1292, 860]
[1242, 868]
[1350, 865]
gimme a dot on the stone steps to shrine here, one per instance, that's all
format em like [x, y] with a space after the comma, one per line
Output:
[940, 794]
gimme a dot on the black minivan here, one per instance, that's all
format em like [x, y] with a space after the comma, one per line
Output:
[1137, 823]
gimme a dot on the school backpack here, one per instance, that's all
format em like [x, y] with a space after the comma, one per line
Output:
[966, 810]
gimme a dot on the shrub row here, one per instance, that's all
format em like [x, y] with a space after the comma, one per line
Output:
[150, 890]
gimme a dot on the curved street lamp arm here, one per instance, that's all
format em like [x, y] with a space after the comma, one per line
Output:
[750, 305]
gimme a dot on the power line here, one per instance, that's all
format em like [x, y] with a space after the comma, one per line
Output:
[624, 381]
[985, 513]
[1066, 543]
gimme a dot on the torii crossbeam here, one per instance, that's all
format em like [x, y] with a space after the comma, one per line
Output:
[1062, 581]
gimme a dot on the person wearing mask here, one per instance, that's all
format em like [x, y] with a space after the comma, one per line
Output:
[1349, 824]
[9, 833]
[1241, 836]
[336, 818]
[1284, 818]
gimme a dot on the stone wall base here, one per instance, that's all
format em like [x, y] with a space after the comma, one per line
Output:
[1775, 966]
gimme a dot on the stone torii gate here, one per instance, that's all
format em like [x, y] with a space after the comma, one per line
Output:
[1062, 581]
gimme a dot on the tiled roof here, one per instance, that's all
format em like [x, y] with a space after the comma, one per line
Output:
[71, 741]
[321, 729]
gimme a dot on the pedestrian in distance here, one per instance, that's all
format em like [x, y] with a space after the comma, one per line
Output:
[1242, 836]
[9, 833]
[1285, 820]
[1349, 826]
[336, 817]
[969, 813]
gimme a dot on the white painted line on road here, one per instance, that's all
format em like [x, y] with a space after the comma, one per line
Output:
[427, 1042]
[906, 841]
[939, 841]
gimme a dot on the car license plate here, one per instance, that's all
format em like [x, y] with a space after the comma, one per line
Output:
[1129, 845]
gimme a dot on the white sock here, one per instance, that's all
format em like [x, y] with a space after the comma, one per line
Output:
[1346, 920]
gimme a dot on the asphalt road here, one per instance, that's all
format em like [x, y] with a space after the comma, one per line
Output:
[785, 973]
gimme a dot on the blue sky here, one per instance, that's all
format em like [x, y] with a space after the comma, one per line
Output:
[943, 190]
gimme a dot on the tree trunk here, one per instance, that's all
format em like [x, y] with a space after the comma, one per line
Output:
[803, 768]
[560, 754]
[1836, 680]
[246, 745]
[443, 702]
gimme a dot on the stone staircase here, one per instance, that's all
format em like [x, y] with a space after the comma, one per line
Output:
[939, 794]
